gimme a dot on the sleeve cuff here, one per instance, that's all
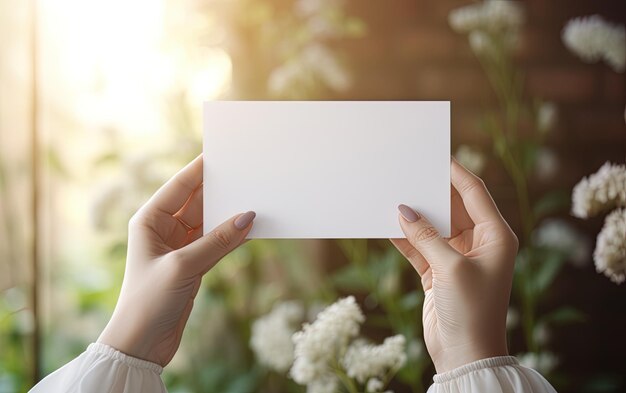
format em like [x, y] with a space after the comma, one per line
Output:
[108, 351]
[475, 366]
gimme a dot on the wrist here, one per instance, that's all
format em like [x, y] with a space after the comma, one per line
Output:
[127, 337]
[454, 357]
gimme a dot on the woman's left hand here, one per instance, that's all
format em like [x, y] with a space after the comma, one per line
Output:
[167, 257]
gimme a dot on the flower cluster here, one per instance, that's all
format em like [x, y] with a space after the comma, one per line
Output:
[594, 39]
[489, 22]
[544, 362]
[364, 361]
[315, 63]
[547, 116]
[308, 63]
[490, 15]
[610, 252]
[329, 348]
[471, 158]
[271, 335]
[320, 343]
[601, 191]
[562, 236]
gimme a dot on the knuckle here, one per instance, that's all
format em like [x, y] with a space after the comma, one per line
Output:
[474, 183]
[412, 254]
[136, 220]
[425, 234]
[221, 239]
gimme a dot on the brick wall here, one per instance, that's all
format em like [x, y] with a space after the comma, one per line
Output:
[411, 53]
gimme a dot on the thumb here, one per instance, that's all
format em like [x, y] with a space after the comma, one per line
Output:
[423, 236]
[201, 255]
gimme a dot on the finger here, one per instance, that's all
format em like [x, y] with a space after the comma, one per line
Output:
[201, 255]
[191, 213]
[478, 203]
[173, 195]
[423, 236]
[415, 258]
[461, 220]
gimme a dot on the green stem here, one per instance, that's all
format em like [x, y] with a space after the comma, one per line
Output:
[503, 79]
[347, 381]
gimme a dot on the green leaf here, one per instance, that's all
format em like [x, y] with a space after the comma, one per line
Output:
[563, 316]
[107, 158]
[243, 383]
[549, 266]
[355, 27]
[551, 202]
[351, 277]
[604, 383]
[411, 300]
[117, 251]
[528, 156]
[55, 163]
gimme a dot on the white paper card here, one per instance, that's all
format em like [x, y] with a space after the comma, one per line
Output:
[326, 169]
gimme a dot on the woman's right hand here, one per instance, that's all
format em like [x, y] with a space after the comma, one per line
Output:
[467, 278]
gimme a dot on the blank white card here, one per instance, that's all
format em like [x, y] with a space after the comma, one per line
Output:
[326, 169]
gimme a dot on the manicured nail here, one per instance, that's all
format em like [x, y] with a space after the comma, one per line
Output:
[244, 220]
[409, 214]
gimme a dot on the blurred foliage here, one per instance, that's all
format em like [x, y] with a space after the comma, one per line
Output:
[291, 44]
[518, 130]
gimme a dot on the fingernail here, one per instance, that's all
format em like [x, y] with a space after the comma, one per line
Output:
[409, 214]
[244, 220]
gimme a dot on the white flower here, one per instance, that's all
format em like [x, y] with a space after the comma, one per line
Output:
[415, 349]
[601, 191]
[543, 362]
[321, 342]
[610, 252]
[470, 158]
[481, 42]
[24, 321]
[561, 235]
[283, 78]
[363, 361]
[374, 385]
[315, 63]
[491, 16]
[547, 116]
[323, 62]
[541, 334]
[271, 335]
[593, 39]
[546, 164]
[314, 7]
[326, 383]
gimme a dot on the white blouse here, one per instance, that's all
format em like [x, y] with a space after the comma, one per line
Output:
[103, 369]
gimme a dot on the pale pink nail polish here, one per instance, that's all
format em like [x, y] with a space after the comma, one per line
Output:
[409, 214]
[244, 220]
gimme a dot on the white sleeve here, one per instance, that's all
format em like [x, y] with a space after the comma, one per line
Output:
[501, 374]
[102, 368]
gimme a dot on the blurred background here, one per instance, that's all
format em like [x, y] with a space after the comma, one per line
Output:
[100, 103]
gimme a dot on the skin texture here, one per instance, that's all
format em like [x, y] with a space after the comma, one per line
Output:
[467, 278]
[167, 257]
